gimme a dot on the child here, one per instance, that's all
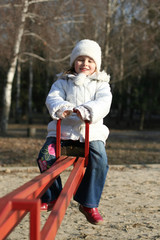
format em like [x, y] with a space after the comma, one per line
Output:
[82, 93]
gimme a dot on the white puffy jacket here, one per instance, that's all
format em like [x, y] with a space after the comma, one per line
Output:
[70, 91]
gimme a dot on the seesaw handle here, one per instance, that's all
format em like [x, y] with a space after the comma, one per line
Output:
[58, 140]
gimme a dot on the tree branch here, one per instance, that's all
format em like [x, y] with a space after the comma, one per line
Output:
[33, 55]
[60, 59]
[40, 1]
[27, 33]
[43, 59]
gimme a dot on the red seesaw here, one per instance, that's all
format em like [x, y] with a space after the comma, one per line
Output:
[15, 205]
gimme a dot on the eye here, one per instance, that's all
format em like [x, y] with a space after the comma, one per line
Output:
[80, 59]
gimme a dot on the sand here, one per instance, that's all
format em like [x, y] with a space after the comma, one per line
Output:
[130, 205]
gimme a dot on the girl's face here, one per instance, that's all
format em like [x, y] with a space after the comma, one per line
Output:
[85, 64]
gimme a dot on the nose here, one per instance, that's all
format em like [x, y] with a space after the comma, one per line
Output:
[85, 62]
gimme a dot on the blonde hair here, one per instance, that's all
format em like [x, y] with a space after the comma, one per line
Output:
[71, 70]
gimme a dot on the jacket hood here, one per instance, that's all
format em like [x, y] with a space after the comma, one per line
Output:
[81, 78]
[100, 76]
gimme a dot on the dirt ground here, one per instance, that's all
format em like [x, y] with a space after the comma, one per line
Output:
[130, 205]
[130, 202]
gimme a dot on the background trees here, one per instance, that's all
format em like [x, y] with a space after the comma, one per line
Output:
[37, 37]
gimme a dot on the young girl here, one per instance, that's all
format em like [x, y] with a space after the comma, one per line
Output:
[82, 93]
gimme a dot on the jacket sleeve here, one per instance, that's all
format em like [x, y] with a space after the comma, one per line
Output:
[100, 106]
[56, 99]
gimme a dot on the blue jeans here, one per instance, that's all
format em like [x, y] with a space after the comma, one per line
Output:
[91, 187]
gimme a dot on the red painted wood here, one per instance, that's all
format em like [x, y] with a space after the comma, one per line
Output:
[15, 205]
[86, 143]
[55, 218]
[9, 217]
[58, 139]
[33, 206]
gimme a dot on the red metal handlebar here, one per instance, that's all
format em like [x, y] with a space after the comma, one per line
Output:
[58, 139]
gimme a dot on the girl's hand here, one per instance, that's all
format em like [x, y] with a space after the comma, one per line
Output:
[66, 113]
[82, 113]
[78, 113]
[62, 113]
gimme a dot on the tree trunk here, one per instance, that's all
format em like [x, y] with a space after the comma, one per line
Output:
[30, 90]
[11, 71]
[120, 103]
[18, 88]
[107, 31]
[142, 117]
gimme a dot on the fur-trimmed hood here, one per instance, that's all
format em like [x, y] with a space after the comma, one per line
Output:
[81, 78]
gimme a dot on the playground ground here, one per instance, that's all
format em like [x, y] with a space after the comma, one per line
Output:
[130, 205]
[130, 202]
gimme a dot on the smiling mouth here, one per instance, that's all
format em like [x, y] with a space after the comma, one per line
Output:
[84, 69]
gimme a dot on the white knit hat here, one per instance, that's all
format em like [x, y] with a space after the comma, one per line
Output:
[88, 48]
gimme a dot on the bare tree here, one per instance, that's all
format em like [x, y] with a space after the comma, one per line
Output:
[107, 35]
[12, 69]
[18, 88]
[17, 46]
[127, 31]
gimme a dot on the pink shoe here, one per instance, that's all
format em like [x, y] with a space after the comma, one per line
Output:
[44, 206]
[47, 206]
[91, 214]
